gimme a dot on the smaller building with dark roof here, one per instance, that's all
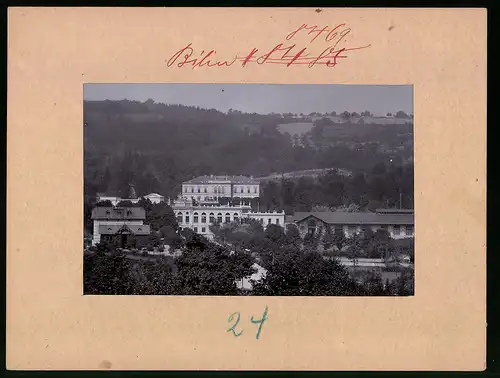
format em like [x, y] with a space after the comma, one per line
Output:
[110, 222]
[399, 223]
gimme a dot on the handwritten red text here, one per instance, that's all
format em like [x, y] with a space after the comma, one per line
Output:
[327, 50]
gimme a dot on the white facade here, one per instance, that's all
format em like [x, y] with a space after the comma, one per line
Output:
[116, 200]
[155, 197]
[199, 217]
[205, 188]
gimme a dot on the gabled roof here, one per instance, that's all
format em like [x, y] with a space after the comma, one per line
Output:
[153, 195]
[124, 229]
[361, 218]
[123, 213]
[229, 179]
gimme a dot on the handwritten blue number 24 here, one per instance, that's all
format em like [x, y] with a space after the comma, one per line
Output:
[260, 322]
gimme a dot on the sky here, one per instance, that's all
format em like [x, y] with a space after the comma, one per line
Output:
[265, 98]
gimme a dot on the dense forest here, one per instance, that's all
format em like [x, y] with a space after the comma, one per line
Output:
[158, 146]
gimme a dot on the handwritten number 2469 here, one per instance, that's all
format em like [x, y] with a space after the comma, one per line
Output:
[236, 318]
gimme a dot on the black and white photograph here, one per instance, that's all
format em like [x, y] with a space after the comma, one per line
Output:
[248, 190]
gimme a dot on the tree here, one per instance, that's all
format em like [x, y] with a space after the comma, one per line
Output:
[306, 274]
[275, 234]
[389, 114]
[292, 235]
[374, 286]
[209, 269]
[160, 215]
[401, 114]
[328, 239]
[351, 208]
[311, 241]
[106, 203]
[125, 204]
[170, 237]
[105, 274]
[339, 239]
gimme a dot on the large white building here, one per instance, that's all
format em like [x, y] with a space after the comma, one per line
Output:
[206, 188]
[199, 217]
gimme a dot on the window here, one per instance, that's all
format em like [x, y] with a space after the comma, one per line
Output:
[255, 189]
[140, 229]
[107, 212]
[268, 220]
[396, 230]
[198, 190]
[241, 190]
[311, 226]
[212, 218]
[187, 218]
[179, 218]
[261, 220]
[205, 190]
[195, 229]
[277, 221]
[219, 217]
[203, 229]
[228, 217]
[235, 217]
[409, 230]
[248, 190]
[198, 198]
[203, 218]
[195, 217]
[192, 190]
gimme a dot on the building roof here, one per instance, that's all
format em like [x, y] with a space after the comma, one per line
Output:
[209, 179]
[122, 213]
[124, 229]
[153, 195]
[361, 218]
[394, 211]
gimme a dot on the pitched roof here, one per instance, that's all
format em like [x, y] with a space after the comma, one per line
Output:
[124, 213]
[153, 195]
[124, 228]
[361, 218]
[229, 179]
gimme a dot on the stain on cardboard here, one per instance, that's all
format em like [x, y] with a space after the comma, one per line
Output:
[105, 364]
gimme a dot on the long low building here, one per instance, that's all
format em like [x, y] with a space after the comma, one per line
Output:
[399, 223]
[199, 217]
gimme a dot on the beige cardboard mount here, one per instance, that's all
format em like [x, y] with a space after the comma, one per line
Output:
[52, 52]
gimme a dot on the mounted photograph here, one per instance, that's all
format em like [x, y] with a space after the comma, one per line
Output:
[248, 190]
